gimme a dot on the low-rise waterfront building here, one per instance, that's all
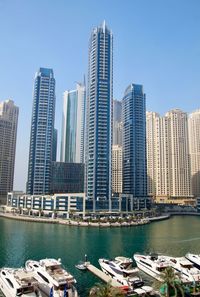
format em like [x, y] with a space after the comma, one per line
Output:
[175, 200]
[66, 203]
[62, 203]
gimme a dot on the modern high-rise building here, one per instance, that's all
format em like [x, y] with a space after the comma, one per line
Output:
[194, 147]
[117, 122]
[168, 163]
[117, 169]
[134, 141]
[73, 125]
[157, 158]
[178, 153]
[8, 135]
[99, 115]
[152, 130]
[42, 132]
[55, 140]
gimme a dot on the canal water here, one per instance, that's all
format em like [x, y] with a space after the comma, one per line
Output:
[20, 241]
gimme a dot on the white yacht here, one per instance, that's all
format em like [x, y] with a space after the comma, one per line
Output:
[195, 259]
[18, 282]
[185, 269]
[152, 264]
[122, 270]
[53, 279]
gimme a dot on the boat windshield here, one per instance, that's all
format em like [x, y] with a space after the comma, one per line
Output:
[126, 265]
[25, 290]
[160, 269]
[189, 266]
[62, 287]
[54, 267]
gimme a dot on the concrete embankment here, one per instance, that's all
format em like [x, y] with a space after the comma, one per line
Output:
[28, 218]
[160, 218]
[80, 223]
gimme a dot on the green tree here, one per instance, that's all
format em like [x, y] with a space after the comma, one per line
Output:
[106, 290]
[171, 285]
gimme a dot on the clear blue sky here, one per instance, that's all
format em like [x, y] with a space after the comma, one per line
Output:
[156, 43]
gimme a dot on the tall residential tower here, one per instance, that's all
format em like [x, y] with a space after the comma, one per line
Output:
[8, 135]
[194, 145]
[99, 115]
[73, 125]
[168, 161]
[134, 142]
[42, 132]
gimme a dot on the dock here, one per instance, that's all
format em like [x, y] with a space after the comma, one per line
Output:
[104, 277]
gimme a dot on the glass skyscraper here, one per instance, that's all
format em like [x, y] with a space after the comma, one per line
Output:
[73, 125]
[99, 115]
[8, 136]
[117, 122]
[42, 131]
[134, 141]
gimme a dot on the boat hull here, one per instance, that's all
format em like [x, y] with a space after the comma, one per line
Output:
[148, 271]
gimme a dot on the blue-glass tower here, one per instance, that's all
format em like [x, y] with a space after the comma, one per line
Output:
[99, 115]
[42, 131]
[134, 141]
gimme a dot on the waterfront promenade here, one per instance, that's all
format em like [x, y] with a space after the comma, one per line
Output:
[77, 223]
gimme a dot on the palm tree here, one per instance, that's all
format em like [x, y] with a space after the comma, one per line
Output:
[171, 284]
[106, 290]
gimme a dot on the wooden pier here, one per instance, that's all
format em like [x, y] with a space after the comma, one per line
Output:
[104, 277]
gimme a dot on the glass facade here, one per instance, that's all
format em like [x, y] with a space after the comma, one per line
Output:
[42, 131]
[73, 125]
[67, 177]
[8, 136]
[117, 122]
[99, 115]
[134, 141]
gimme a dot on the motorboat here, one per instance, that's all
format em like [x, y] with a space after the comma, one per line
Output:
[122, 270]
[153, 264]
[81, 266]
[18, 282]
[195, 259]
[53, 279]
[185, 269]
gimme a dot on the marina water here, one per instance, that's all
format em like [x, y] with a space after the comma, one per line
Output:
[20, 241]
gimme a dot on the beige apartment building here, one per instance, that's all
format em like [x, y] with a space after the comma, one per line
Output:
[8, 134]
[168, 163]
[117, 169]
[194, 147]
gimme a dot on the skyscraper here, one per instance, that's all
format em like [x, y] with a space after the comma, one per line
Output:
[42, 130]
[99, 115]
[157, 154]
[8, 135]
[194, 146]
[178, 153]
[73, 125]
[134, 141]
[117, 122]
[168, 163]
[55, 141]
[117, 169]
